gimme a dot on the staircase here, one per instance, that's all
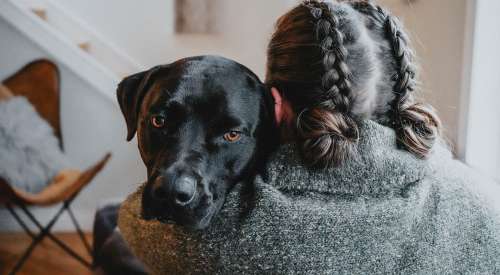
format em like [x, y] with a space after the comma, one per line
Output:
[70, 42]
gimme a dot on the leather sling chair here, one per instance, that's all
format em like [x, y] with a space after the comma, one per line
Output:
[39, 83]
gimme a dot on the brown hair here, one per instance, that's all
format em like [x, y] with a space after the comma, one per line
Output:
[307, 62]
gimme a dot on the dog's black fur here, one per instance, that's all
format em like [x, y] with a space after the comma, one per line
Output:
[200, 99]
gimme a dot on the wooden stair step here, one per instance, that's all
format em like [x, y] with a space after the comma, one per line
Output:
[85, 46]
[42, 13]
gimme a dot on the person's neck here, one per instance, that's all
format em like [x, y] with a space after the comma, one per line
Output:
[287, 129]
[286, 135]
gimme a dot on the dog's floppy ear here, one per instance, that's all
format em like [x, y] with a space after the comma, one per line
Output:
[130, 93]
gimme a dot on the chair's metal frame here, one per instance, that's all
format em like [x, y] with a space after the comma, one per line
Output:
[64, 193]
[44, 231]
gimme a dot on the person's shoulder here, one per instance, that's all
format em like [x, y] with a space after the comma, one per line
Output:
[461, 184]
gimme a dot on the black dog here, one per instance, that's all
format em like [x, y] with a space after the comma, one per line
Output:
[203, 124]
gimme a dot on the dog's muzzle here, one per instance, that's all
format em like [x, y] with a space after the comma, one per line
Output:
[181, 192]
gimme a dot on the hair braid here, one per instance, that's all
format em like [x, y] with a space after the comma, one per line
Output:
[326, 131]
[416, 124]
[335, 82]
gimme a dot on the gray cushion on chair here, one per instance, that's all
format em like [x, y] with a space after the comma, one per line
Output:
[30, 155]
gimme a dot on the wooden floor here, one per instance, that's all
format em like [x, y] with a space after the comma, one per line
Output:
[47, 257]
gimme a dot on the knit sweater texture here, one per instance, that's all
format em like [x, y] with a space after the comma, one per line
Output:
[382, 212]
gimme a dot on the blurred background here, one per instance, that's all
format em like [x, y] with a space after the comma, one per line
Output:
[96, 43]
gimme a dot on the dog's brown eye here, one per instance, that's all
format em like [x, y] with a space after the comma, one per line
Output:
[158, 121]
[232, 136]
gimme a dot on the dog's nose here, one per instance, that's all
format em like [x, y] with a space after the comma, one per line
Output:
[184, 190]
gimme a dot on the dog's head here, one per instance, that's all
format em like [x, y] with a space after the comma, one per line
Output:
[203, 124]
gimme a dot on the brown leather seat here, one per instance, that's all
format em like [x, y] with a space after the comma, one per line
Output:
[39, 83]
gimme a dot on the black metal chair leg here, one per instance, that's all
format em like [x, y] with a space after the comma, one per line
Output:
[79, 230]
[37, 238]
[20, 221]
[26, 254]
[70, 251]
[52, 237]
[45, 232]
[37, 223]
[34, 243]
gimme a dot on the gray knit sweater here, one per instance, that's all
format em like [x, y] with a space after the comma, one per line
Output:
[382, 212]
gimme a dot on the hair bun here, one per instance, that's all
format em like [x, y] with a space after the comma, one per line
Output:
[326, 137]
[419, 128]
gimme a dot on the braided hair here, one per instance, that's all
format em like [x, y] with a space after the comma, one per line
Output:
[307, 61]
[416, 124]
[325, 58]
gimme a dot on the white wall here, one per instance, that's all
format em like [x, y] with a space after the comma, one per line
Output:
[145, 29]
[91, 126]
[482, 128]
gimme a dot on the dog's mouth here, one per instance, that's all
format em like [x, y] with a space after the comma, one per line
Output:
[197, 218]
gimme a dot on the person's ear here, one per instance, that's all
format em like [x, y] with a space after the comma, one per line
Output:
[130, 93]
[278, 105]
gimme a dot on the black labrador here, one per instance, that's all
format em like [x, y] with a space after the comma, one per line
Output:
[203, 124]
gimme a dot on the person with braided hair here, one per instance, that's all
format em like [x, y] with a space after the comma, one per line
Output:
[344, 78]
[362, 182]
